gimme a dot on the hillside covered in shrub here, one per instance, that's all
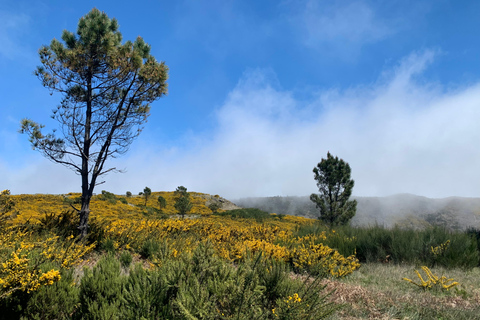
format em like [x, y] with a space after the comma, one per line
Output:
[142, 260]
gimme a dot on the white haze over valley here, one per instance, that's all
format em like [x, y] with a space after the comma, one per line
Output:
[400, 134]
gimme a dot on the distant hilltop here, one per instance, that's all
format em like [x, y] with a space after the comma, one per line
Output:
[405, 210]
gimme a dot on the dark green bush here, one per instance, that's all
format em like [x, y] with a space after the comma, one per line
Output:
[63, 224]
[58, 301]
[214, 206]
[162, 202]
[248, 213]
[72, 200]
[101, 291]
[145, 295]
[107, 196]
[108, 245]
[126, 259]
[149, 249]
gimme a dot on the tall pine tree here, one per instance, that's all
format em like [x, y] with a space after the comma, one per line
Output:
[107, 89]
[335, 186]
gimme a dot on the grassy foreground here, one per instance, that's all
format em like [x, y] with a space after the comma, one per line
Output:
[377, 291]
[141, 261]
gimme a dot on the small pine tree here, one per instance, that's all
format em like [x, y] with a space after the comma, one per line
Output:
[147, 192]
[214, 206]
[162, 203]
[335, 186]
[182, 201]
[6, 206]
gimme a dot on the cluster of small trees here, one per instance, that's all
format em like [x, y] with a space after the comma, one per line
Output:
[182, 200]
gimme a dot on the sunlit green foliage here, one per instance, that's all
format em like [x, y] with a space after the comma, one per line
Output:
[335, 186]
[182, 201]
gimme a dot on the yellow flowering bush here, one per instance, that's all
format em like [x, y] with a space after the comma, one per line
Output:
[439, 250]
[22, 255]
[320, 258]
[432, 280]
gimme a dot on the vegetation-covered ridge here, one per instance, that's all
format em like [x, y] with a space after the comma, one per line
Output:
[246, 253]
[109, 205]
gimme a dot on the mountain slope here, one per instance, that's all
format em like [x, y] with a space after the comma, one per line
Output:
[403, 209]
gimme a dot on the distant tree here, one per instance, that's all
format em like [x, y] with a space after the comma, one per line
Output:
[182, 201]
[162, 202]
[107, 90]
[335, 186]
[147, 192]
[129, 194]
[214, 206]
[6, 206]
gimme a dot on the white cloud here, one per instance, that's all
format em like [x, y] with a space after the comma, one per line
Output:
[399, 135]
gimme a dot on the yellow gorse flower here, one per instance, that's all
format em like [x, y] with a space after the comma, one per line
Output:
[439, 250]
[432, 280]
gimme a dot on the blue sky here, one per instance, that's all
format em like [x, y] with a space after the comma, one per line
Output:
[260, 91]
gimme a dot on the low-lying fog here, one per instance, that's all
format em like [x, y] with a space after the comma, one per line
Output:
[403, 209]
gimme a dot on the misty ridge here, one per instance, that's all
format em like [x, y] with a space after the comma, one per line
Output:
[404, 210]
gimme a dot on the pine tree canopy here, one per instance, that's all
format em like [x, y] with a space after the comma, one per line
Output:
[335, 187]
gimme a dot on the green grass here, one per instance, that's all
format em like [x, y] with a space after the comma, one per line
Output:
[378, 291]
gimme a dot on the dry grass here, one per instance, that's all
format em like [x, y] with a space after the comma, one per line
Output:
[377, 291]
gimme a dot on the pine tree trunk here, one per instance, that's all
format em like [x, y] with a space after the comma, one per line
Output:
[84, 214]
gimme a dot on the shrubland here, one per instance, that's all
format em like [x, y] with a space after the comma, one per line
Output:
[142, 260]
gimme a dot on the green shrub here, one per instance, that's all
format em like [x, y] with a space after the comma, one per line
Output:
[126, 259]
[101, 290]
[256, 289]
[145, 295]
[149, 249]
[214, 206]
[63, 224]
[248, 213]
[108, 196]
[162, 202]
[398, 245]
[199, 285]
[72, 200]
[58, 301]
[108, 245]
